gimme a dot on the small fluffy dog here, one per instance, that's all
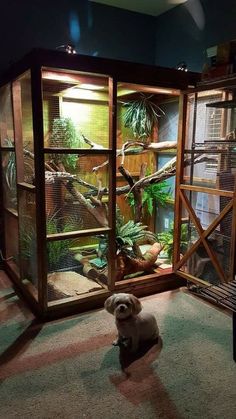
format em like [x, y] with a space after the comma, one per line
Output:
[132, 326]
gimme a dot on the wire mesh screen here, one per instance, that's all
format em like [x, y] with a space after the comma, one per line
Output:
[9, 180]
[75, 199]
[213, 166]
[28, 241]
[201, 263]
[200, 266]
[75, 110]
[204, 123]
[11, 240]
[76, 266]
[6, 117]
[27, 158]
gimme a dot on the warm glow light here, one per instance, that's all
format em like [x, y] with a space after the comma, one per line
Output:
[77, 93]
[90, 86]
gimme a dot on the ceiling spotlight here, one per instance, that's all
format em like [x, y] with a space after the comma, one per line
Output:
[182, 66]
[70, 49]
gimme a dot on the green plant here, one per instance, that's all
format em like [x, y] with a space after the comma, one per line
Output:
[166, 238]
[28, 248]
[127, 235]
[141, 116]
[57, 250]
[65, 135]
[155, 193]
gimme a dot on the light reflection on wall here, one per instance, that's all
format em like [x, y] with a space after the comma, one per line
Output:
[74, 26]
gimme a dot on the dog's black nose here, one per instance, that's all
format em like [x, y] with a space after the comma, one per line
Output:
[122, 308]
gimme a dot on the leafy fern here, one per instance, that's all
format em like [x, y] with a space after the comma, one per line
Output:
[154, 193]
[64, 135]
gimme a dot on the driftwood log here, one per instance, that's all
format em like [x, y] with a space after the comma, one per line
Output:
[127, 265]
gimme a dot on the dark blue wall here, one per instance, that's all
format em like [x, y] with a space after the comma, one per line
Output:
[185, 32]
[94, 29]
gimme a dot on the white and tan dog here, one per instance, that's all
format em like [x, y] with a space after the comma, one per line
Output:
[133, 327]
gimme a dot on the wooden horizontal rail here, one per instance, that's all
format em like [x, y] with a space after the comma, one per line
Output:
[77, 234]
[59, 150]
[11, 211]
[26, 186]
[192, 278]
[207, 190]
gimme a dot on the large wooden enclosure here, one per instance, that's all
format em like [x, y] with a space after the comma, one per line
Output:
[86, 144]
[205, 205]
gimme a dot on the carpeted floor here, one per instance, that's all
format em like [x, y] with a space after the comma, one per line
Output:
[68, 368]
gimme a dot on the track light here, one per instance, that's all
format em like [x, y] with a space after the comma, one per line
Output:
[70, 49]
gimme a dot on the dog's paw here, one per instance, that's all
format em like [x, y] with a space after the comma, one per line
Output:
[116, 342]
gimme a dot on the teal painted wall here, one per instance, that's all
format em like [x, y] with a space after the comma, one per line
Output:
[94, 29]
[184, 32]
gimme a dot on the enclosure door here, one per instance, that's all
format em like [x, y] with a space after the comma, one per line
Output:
[205, 206]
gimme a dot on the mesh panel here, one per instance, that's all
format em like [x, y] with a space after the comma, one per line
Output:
[9, 179]
[68, 200]
[215, 168]
[76, 266]
[75, 109]
[221, 244]
[200, 266]
[189, 236]
[204, 123]
[27, 128]
[11, 239]
[28, 245]
[206, 206]
[6, 117]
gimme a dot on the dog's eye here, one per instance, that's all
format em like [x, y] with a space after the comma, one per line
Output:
[117, 303]
[128, 304]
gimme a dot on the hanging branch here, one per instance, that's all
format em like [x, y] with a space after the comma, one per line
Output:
[136, 192]
[128, 149]
[92, 143]
[98, 210]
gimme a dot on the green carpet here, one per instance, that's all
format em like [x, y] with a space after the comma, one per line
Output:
[68, 368]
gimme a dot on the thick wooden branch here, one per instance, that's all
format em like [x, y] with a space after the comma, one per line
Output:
[98, 211]
[92, 143]
[138, 206]
[127, 265]
[138, 147]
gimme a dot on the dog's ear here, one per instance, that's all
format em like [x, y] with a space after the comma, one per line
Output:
[137, 306]
[109, 304]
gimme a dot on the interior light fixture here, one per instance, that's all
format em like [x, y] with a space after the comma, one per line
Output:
[90, 86]
[70, 49]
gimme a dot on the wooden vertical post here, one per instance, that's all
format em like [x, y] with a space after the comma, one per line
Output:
[17, 120]
[234, 336]
[179, 177]
[112, 183]
[37, 111]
